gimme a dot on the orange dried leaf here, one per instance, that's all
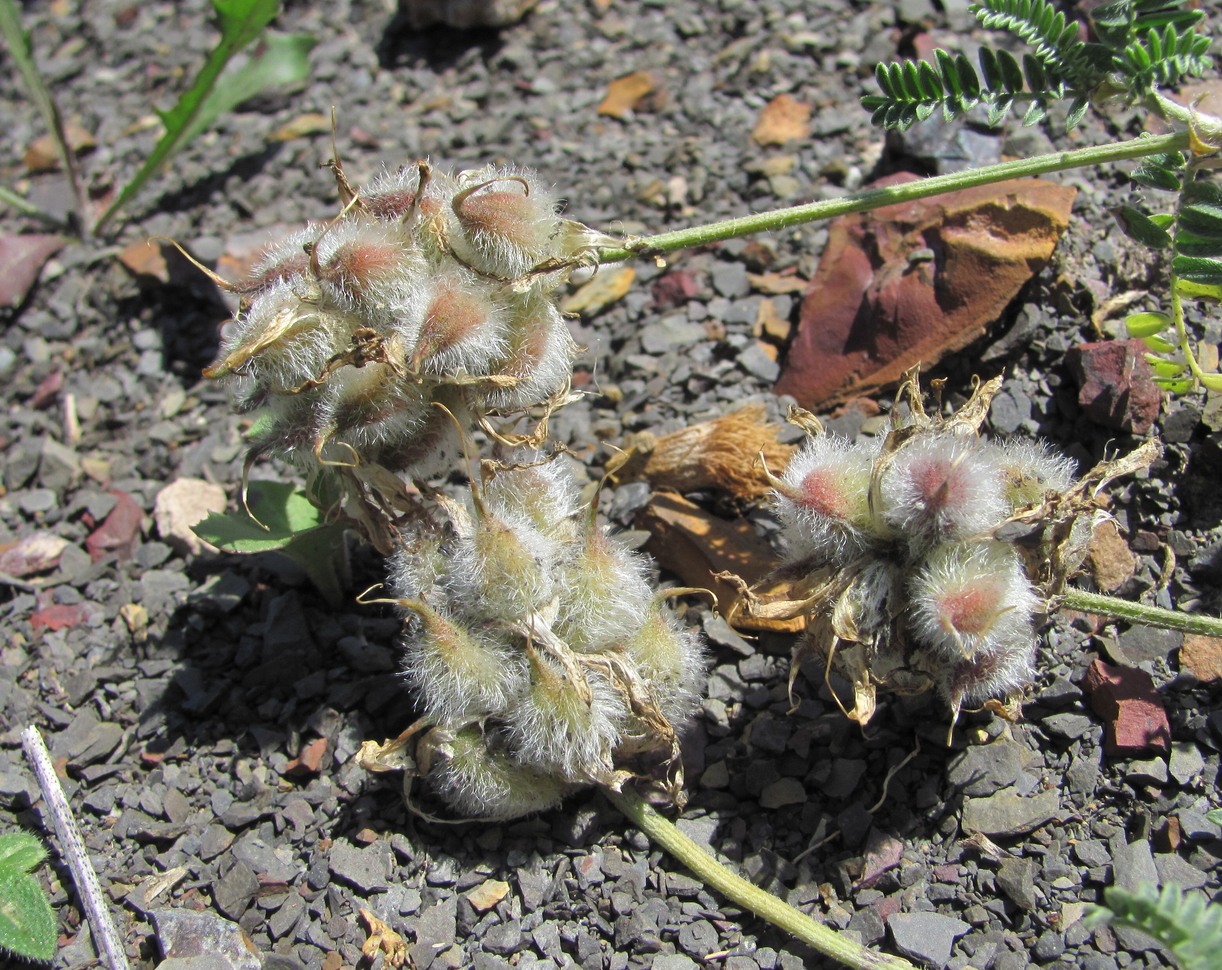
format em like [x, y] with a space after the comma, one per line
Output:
[784, 119]
[697, 546]
[626, 93]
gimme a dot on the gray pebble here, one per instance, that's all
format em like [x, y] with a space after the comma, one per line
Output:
[984, 769]
[1016, 878]
[758, 364]
[1068, 726]
[1008, 813]
[1186, 762]
[1133, 863]
[367, 869]
[928, 937]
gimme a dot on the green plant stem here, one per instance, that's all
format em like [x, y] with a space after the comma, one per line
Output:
[23, 57]
[1120, 609]
[28, 208]
[669, 242]
[766, 906]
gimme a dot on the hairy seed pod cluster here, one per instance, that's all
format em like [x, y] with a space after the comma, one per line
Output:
[923, 558]
[428, 288]
[540, 656]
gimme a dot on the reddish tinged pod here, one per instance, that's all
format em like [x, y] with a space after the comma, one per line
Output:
[505, 223]
[462, 331]
[969, 598]
[285, 262]
[823, 500]
[942, 487]
[538, 358]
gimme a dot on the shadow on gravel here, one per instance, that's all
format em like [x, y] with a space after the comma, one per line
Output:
[438, 48]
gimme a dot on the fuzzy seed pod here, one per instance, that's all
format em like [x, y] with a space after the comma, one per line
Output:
[1004, 669]
[569, 721]
[366, 268]
[370, 409]
[671, 661]
[461, 675]
[942, 487]
[462, 330]
[538, 356]
[823, 500]
[504, 570]
[1030, 469]
[504, 222]
[279, 343]
[473, 773]
[605, 589]
[969, 598]
[288, 261]
[542, 490]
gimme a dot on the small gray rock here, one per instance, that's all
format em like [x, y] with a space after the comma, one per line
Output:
[1070, 727]
[233, 892]
[366, 869]
[1016, 878]
[1008, 813]
[1186, 762]
[928, 937]
[1133, 864]
[986, 768]
[186, 933]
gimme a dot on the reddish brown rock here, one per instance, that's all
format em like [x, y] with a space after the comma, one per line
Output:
[58, 616]
[674, 289]
[21, 260]
[309, 762]
[120, 531]
[1115, 384]
[913, 282]
[1134, 719]
[1203, 657]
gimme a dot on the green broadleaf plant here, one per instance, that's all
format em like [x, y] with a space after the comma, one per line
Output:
[281, 518]
[220, 86]
[27, 924]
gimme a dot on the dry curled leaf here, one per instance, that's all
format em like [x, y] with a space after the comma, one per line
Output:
[722, 454]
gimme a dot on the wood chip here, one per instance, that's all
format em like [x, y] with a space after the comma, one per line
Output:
[696, 546]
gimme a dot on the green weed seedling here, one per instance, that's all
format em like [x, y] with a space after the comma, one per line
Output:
[220, 86]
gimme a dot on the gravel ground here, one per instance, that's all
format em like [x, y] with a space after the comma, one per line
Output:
[206, 710]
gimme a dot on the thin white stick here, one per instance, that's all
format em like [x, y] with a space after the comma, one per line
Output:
[87, 887]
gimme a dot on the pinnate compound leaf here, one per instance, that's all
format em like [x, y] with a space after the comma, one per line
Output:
[27, 925]
[1140, 227]
[1198, 269]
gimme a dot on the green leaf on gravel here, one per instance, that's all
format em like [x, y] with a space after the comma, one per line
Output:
[289, 523]
[281, 513]
[27, 925]
[241, 22]
[281, 60]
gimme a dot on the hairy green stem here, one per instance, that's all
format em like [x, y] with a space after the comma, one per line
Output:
[27, 208]
[1120, 609]
[669, 242]
[737, 889]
